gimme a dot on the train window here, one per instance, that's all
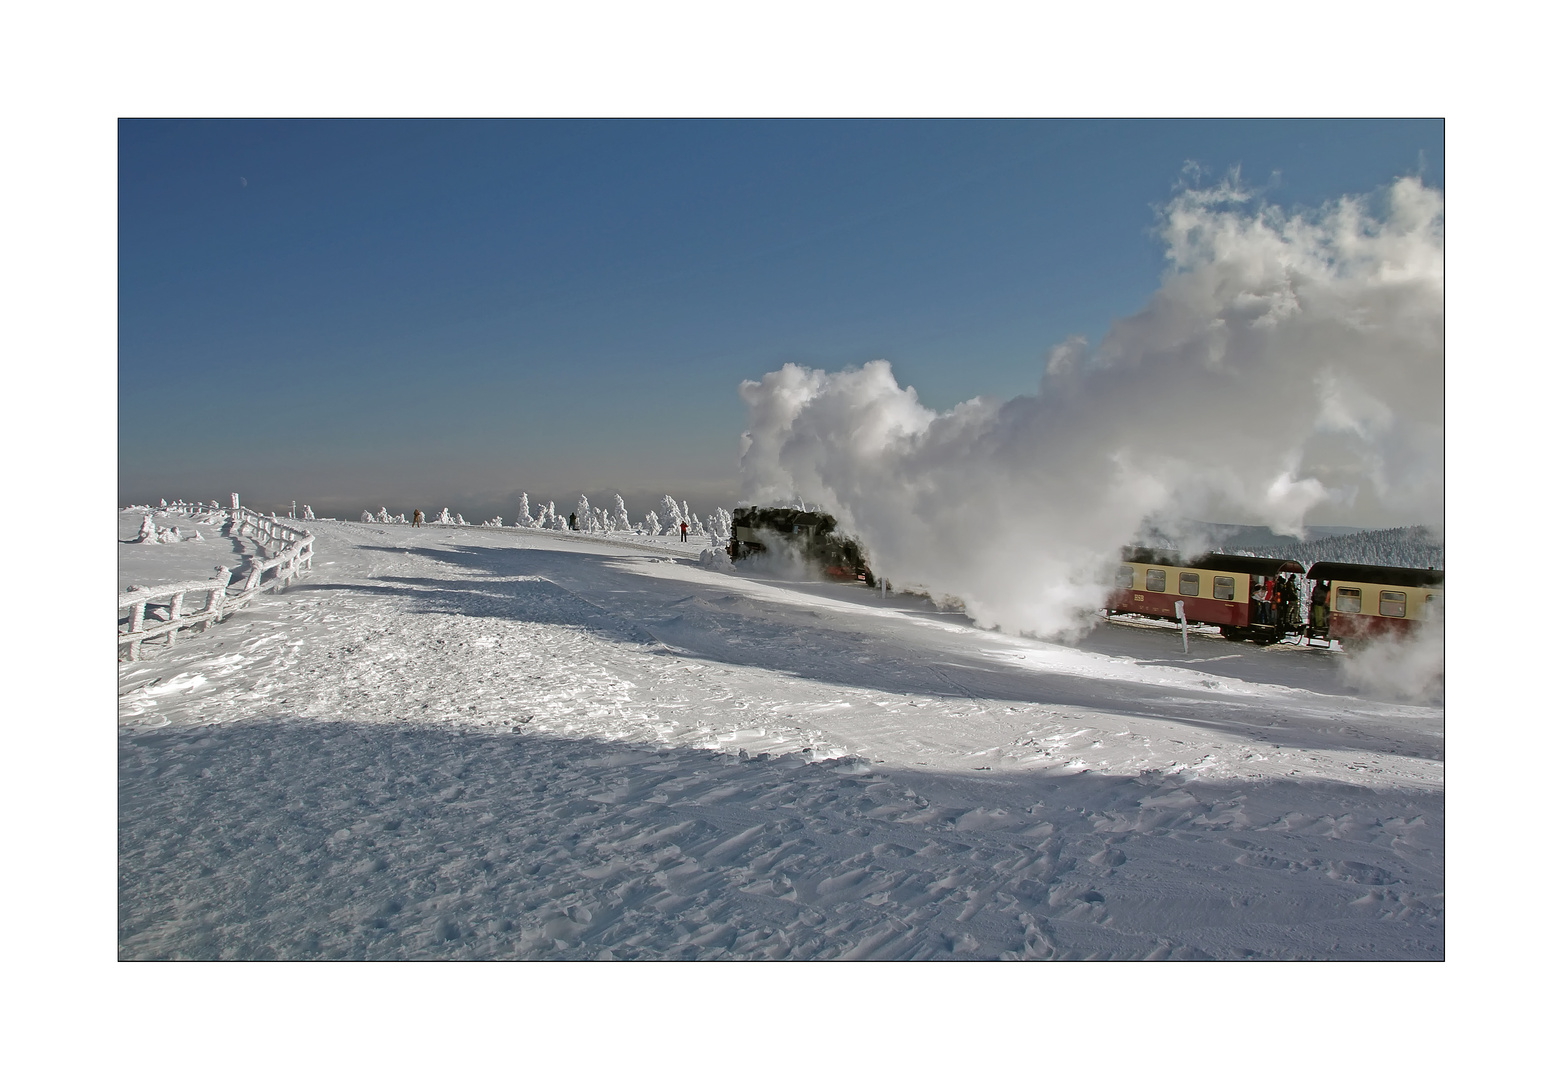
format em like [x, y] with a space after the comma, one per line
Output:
[1126, 577]
[1155, 581]
[1348, 600]
[1225, 587]
[1188, 584]
[1392, 604]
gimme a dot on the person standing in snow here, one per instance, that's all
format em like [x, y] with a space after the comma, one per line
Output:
[572, 521]
[417, 518]
[683, 532]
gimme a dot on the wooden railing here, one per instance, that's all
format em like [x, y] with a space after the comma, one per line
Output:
[162, 611]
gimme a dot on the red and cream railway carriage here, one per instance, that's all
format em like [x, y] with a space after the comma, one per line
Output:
[1215, 589]
[1367, 601]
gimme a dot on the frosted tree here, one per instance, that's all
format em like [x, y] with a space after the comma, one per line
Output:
[671, 514]
[368, 518]
[444, 518]
[524, 516]
[653, 526]
[309, 515]
[621, 517]
[584, 519]
[384, 517]
[602, 522]
[148, 533]
[458, 520]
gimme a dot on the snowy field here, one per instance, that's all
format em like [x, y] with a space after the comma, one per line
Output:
[503, 743]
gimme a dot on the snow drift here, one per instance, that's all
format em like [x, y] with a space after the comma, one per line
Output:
[1287, 362]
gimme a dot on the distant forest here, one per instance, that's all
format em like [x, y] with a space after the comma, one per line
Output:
[1409, 546]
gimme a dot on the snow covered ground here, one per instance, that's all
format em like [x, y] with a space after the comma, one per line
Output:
[508, 743]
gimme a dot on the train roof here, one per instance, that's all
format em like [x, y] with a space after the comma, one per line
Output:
[1375, 575]
[1232, 564]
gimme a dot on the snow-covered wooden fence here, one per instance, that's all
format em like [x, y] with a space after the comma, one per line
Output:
[160, 612]
[285, 554]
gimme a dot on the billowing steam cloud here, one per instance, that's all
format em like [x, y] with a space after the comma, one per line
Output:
[1286, 362]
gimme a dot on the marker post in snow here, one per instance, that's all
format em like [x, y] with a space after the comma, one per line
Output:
[1183, 622]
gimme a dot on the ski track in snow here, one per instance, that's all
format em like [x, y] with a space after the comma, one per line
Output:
[500, 743]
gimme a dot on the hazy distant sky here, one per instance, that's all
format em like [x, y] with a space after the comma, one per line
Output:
[427, 313]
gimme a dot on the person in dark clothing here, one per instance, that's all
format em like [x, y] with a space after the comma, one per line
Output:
[572, 521]
[1319, 618]
[683, 532]
[417, 518]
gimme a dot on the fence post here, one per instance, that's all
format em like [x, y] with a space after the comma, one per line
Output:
[138, 617]
[219, 593]
[175, 609]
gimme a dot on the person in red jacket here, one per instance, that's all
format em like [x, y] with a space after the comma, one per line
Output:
[683, 532]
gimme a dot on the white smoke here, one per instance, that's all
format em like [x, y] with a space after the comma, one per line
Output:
[1287, 362]
[1411, 668]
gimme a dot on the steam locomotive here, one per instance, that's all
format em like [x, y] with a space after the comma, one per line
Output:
[807, 535]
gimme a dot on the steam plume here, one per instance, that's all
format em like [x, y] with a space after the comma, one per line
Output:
[1286, 363]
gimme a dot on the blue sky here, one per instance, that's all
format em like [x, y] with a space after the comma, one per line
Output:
[433, 313]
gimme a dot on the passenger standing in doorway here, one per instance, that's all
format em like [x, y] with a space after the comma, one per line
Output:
[683, 532]
[1259, 600]
[1319, 620]
[1291, 603]
[1270, 598]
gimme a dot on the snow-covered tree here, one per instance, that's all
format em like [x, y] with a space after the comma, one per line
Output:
[524, 518]
[444, 518]
[368, 518]
[148, 533]
[621, 516]
[309, 515]
[653, 526]
[584, 519]
[671, 514]
[459, 521]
